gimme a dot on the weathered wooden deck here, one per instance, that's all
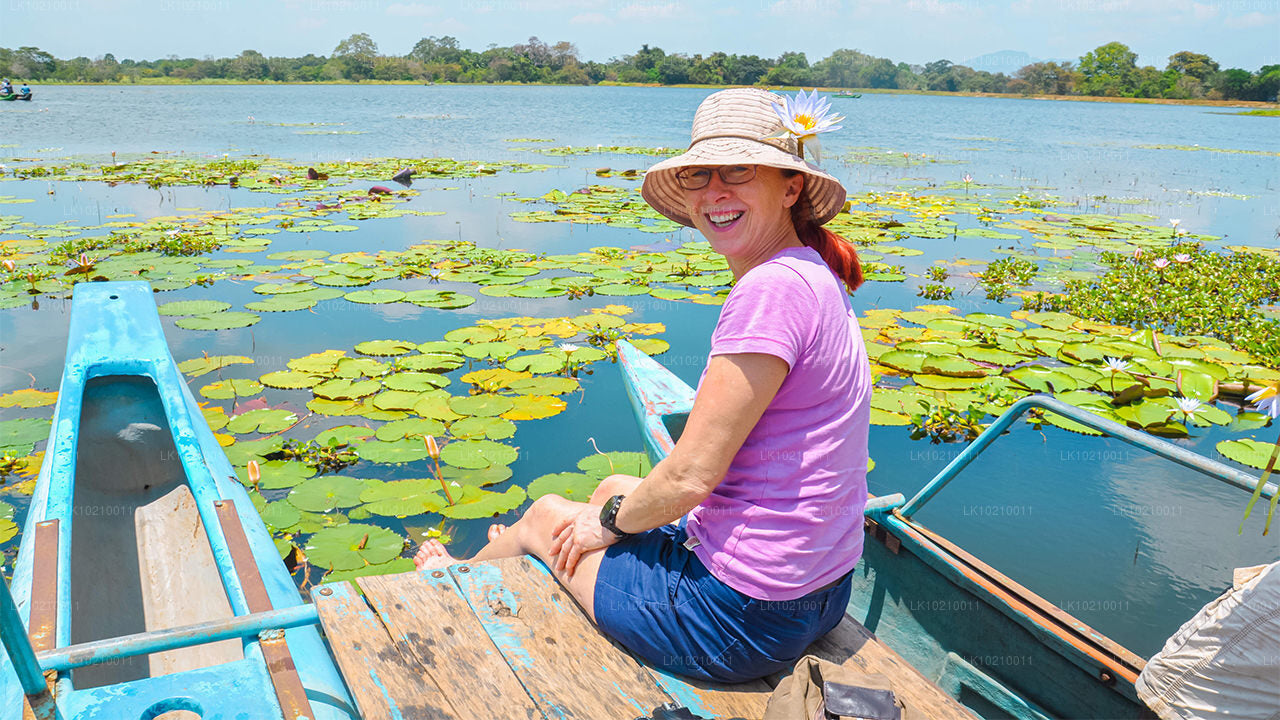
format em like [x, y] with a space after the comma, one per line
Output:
[504, 640]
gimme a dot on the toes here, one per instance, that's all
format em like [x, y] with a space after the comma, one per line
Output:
[496, 530]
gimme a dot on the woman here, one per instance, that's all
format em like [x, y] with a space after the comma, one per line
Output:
[771, 467]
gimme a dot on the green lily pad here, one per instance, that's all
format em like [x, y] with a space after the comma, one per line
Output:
[233, 388]
[474, 503]
[476, 428]
[377, 296]
[394, 451]
[196, 367]
[1248, 451]
[951, 367]
[403, 498]
[279, 516]
[410, 428]
[430, 362]
[242, 451]
[483, 405]
[193, 307]
[1043, 379]
[326, 493]
[393, 567]
[283, 303]
[574, 486]
[544, 385]
[479, 477]
[415, 381]
[397, 400]
[343, 435]
[1249, 420]
[276, 474]
[440, 299]
[385, 348]
[539, 363]
[345, 389]
[290, 380]
[353, 546]
[477, 453]
[994, 356]
[218, 321]
[625, 463]
[19, 436]
[906, 361]
[263, 420]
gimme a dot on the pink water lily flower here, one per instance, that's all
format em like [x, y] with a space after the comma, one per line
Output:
[1161, 263]
[1182, 258]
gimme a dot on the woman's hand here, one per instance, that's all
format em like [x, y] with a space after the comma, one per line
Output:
[576, 533]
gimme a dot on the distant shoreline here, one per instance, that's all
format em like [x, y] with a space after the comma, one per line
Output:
[1243, 104]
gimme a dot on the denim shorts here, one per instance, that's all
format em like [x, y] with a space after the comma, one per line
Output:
[659, 601]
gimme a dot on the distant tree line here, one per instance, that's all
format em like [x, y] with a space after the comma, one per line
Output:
[1109, 70]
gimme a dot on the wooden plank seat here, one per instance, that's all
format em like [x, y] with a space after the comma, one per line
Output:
[503, 639]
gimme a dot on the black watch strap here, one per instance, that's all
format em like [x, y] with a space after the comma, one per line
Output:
[609, 516]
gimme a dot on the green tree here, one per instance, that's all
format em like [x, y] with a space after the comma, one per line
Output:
[356, 55]
[1233, 84]
[1200, 67]
[249, 65]
[1108, 70]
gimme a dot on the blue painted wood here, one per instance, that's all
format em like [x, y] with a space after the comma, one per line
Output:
[115, 330]
[892, 588]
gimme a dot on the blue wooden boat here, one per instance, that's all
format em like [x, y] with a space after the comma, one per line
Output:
[146, 583]
[944, 610]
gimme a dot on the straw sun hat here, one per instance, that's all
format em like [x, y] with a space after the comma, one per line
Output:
[734, 127]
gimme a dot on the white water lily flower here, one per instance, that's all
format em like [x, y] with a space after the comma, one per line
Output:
[1267, 400]
[567, 348]
[1116, 364]
[1182, 258]
[1161, 263]
[1187, 405]
[804, 117]
[1174, 222]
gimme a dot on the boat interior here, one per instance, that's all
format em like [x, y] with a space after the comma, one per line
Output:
[141, 558]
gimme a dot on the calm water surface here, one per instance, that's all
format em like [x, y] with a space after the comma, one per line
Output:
[1130, 544]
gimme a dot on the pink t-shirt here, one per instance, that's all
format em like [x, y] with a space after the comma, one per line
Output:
[787, 518]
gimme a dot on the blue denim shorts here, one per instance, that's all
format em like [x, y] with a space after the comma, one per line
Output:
[658, 600]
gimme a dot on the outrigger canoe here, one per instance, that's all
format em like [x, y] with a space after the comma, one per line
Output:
[145, 582]
[16, 96]
[1071, 670]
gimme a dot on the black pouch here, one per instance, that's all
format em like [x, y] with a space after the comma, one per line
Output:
[850, 701]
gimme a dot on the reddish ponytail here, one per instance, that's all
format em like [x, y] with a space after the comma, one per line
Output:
[837, 252]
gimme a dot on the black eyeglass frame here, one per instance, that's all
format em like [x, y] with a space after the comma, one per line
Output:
[684, 181]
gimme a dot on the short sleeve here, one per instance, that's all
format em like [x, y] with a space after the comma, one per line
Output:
[772, 310]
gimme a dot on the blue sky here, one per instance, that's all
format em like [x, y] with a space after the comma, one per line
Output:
[1237, 33]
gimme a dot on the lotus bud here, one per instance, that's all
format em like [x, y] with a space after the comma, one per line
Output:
[84, 259]
[255, 473]
[432, 449]
[8, 265]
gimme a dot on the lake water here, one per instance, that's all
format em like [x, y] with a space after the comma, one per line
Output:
[1129, 544]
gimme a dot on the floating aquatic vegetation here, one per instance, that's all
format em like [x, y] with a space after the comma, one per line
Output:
[1185, 290]
[1197, 148]
[609, 149]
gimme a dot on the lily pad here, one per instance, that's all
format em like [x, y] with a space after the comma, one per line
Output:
[233, 388]
[385, 348]
[218, 321]
[403, 498]
[195, 367]
[345, 389]
[353, 546]
[483, 405]
[415, 381]
[625, 463]
[276, 474]
[377, 296]
[326, 493]
[477, 453]
[290, 380]
[534, 407]
[410, 428]
[394, 451]
[574, 486]
[476, 428]
[474, 503]
[193, 307]
[1248, 451]
[19, 436]
[263, 420]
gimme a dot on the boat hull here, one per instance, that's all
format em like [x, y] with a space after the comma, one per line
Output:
[129, 460]
[985, 640]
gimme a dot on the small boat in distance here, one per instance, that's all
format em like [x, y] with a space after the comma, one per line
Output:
[147, 580]
[846, 94]
[15, 96]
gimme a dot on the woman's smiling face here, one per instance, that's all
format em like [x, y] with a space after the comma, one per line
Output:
[746, 220]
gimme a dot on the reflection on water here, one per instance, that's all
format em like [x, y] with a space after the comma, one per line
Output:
[1130, 544]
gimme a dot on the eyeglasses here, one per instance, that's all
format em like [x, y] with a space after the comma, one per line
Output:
[696, 178]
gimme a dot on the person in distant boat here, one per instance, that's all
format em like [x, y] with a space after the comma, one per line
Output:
[736, 552]
[6, 87]
[24, 90]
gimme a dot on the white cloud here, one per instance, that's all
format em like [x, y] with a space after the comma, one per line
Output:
[448, 26]
[1201, 11]
[804, 8]
[938, 8]
[590, 19]
[312, 22]
[650, 11]
[1250, 20]
[412, 10]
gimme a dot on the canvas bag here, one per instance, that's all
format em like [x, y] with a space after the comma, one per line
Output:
[800, 696]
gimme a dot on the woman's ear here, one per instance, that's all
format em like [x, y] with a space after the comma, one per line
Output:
[793, 188]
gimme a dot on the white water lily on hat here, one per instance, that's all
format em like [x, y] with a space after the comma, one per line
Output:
[804, 117]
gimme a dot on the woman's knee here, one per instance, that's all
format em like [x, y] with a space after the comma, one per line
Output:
[614, 485]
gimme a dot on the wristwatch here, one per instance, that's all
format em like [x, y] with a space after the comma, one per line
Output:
[609, 516]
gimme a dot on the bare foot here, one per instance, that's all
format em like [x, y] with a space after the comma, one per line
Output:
[432, 556]
[496, 530]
